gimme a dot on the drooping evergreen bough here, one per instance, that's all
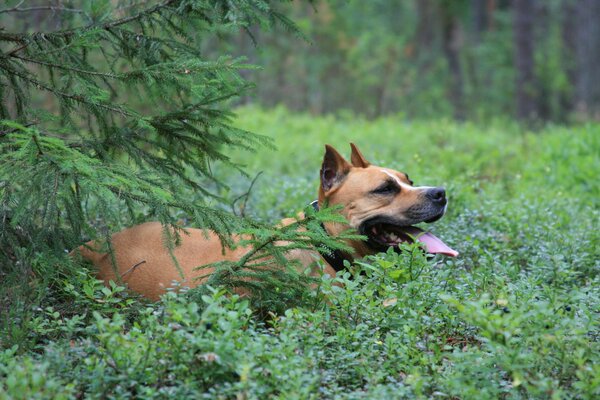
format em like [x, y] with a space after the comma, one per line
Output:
[111, 115]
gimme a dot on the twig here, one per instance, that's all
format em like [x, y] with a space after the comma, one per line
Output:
[13, 37]
[39, 8]
[4, 133]
[37, 143]
[133, 268]
[47, 64]
[132, 5]
[21, 38]
[246, 197]
[17, 49]
[74, 97]
[117, 22]
[17, 6]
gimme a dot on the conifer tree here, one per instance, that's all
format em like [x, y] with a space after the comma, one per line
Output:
[111, 115]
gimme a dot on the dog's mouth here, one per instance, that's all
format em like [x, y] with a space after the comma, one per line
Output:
[382, 234]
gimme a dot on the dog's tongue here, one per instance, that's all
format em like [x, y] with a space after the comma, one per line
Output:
[433, 244]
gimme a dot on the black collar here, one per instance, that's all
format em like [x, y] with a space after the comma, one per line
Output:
[335, 258]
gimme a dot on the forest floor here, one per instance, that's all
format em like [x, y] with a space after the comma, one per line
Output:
[514, 316]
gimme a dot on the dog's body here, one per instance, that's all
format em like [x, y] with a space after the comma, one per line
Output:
[378, 202]
[146, 266]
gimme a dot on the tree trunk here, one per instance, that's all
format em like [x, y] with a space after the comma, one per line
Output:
[386, 77]
[480, 18]
[587, 88]
[425, 34]
[451, 44]
[569, 44]
[523, 59]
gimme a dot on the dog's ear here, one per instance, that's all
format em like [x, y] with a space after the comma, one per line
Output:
[334, 168]
[357, 158]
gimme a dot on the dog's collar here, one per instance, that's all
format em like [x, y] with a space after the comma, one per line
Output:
[335, 258]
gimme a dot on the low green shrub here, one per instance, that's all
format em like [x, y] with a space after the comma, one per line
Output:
[514, 316]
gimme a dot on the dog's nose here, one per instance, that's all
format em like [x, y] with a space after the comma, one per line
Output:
[437, 195]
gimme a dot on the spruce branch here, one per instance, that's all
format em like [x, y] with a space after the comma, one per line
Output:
[304, 233]
[74, 97]
[245, 196]
[118, 22]
[17, 8]
[65, 67]
[135, 119]
[13, 37]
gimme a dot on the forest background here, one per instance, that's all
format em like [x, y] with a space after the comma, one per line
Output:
[467, 59]
[119, 112]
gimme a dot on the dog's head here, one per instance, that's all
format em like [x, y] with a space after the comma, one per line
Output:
[380, 203]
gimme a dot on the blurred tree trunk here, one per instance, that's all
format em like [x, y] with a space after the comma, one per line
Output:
[386, 78]
[425, 38]
[451, 42]
[479, 9]
[587, 84]
[569, 44]
[425, 33]
[479, 24]
[491, 9]
[478, 77]
[523, 59]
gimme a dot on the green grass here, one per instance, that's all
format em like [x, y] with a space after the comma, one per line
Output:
[515, 316]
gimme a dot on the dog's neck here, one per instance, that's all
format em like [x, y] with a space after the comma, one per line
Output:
[335, 258]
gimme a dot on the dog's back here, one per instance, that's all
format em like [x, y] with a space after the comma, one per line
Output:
[145, 264]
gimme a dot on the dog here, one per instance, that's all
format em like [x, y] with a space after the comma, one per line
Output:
[380, 203]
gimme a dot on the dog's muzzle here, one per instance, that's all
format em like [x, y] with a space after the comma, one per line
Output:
[383, 232]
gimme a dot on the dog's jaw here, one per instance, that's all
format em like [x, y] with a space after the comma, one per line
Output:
[381, 235]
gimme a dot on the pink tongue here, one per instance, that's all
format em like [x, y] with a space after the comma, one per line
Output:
[432, 243]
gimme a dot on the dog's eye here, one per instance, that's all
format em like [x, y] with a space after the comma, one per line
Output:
[409, 180]
[387, 188]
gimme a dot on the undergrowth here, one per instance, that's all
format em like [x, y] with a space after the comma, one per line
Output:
[514, 316]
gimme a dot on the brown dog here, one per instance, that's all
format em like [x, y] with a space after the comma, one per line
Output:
[379, 203]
